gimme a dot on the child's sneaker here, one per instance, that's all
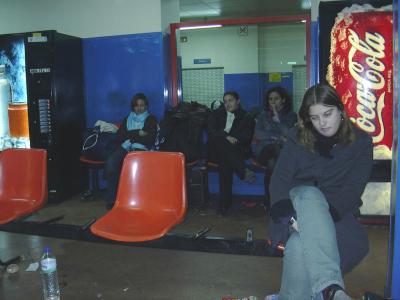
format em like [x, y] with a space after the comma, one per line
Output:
[272, 297]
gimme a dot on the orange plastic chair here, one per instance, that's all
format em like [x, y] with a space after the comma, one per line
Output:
[151, 198]
[23, 182]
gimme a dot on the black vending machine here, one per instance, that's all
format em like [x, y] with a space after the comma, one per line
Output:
[45, 71]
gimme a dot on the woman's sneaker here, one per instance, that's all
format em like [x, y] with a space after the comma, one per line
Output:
[335, 292]
[341, 295]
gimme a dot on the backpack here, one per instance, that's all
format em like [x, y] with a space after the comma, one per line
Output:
[99, 145]
[181, 129]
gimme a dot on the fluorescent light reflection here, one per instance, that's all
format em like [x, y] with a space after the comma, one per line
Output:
[200, 26]
[201, 13]
[305, 4]
[134, 176]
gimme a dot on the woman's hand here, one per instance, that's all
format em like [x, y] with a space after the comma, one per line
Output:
[283, 211]
[277, 235]
[232, 140]
[275, 114]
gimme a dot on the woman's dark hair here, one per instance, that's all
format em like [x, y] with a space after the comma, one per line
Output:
[231, 93]
[136, 98]
[287, 104]
[324, 94]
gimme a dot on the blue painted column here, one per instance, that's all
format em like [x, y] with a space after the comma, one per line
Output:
[314, 68]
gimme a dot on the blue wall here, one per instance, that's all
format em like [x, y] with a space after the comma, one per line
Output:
[314, 65]
[239, 187]
[253, 86]
[247, 86]
[117, 67]
[167, 70]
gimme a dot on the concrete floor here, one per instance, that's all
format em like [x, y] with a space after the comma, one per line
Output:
[242, 215]
[90, 270]
[104, 271]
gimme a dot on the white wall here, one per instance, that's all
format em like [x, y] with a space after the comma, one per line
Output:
[169, 14]
[83, 18]
[266, 48]
[225, 47]
[280, 44]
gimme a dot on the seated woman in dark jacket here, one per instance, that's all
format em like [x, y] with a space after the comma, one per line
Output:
[137, 133]
[230, 131]
[271, 130]
[316, 190]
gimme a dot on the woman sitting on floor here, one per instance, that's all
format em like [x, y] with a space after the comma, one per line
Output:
[316, 190]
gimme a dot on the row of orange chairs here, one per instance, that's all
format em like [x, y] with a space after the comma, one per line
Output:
[151, 196]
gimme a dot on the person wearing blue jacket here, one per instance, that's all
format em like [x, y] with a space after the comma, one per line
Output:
[272, 127]
[316, 190]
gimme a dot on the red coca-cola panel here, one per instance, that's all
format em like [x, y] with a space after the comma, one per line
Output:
[361, 70]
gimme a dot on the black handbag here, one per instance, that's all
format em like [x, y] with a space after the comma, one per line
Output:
[99, 145]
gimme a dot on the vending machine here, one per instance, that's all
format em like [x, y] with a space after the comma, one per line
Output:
[45, 108]
[356, 58]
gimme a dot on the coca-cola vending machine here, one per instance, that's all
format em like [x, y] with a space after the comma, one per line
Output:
[356, 57]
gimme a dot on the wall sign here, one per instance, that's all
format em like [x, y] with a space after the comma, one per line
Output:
[243, 30]
[275, 77]
[201, 61]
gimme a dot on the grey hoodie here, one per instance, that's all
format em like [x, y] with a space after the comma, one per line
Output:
[342, 180]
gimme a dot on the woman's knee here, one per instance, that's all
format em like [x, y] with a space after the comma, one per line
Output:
[304, 192]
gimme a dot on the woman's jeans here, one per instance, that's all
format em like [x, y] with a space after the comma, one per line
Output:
[311, 260]
[112, 172]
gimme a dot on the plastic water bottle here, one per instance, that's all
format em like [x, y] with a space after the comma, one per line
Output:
[249, 235]
[48, 271]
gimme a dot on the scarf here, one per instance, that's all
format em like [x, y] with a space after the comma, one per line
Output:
[136, 121]
[133, 122]
[323, 145]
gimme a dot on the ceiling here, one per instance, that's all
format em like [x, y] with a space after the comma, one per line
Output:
[232, 9]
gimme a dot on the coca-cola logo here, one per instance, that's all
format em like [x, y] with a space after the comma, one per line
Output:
[369, 82]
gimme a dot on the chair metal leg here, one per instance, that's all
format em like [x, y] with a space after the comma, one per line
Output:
[94, 186]
[96, 176]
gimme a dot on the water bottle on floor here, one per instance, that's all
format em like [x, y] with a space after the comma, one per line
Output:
[48, 272]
